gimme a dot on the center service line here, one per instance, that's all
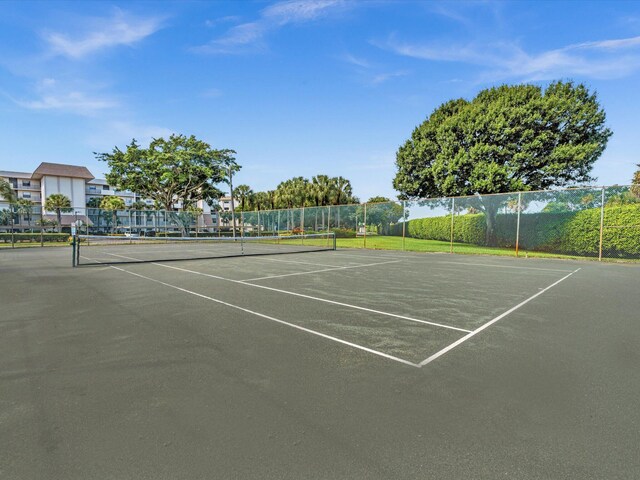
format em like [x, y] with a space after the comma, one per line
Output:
[333, 302]
[318, 271]
[490, 322]
[273, 319]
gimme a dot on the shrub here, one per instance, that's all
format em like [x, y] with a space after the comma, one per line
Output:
[34, 237]
[620, 238]
[344, 232]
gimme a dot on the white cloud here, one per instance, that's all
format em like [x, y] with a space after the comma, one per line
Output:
[51, 95]
[120, 133]
[250, 36]
[75, 102]
[358, 62]
[99, 34]
[383, 77]
[296, 11]
[600, 59]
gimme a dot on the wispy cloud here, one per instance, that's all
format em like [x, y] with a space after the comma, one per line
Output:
[99, 34]
[368, 72]
[52, 96]
[120, 133]
[598, 59]
[383, 77]
[358, 62]
[249, 36]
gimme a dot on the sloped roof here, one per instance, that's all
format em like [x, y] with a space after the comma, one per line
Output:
[61, 170]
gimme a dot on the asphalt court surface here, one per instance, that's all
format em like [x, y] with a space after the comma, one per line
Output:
[345, 364]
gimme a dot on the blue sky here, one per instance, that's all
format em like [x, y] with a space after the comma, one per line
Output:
[296, 87]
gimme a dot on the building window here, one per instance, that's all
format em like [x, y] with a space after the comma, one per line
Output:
[105, 187]
[26, 183]
[26, 195]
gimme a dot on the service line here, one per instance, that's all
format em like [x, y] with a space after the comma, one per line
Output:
[267, 317]
[491, 322]
[318, 271]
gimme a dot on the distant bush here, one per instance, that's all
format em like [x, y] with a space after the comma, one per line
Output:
[34, 237]
[344, 232]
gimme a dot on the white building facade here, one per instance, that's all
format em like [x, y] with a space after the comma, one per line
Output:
[79, 185]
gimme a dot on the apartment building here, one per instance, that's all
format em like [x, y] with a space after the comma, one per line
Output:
[80, 186]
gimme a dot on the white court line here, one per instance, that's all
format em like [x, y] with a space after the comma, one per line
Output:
[356, 307]
[301, 263]
[506, 266]
[273, 319]
[333, 302]
[318, 271]
[491, 322]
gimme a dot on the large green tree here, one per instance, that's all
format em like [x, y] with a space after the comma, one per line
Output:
[58, 202]
[178, 169]
[508, 138]
[381, 212]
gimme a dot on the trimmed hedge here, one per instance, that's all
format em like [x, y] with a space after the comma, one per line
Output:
[568, 232]
[34, 237]
[620, 237]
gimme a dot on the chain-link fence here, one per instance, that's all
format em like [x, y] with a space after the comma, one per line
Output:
[595, 222]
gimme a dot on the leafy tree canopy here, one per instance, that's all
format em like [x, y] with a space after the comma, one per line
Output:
[180, 168]
[508, 138]
[112, 203]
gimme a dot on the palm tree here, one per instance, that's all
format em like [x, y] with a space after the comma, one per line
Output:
[58, 202]
[94, 202]
[112, 204]
[271, 198]
[24, 207]
[6, 191]
[323, 190]
[342, 191]
[243, 193]
[6, 216]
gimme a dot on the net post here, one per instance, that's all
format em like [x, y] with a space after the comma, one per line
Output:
[41, 227]
[601, 225]
[453, 209]
[334, 240]
[518, 223]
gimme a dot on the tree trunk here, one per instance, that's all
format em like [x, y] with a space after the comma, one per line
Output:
[59, 216]
[491, 206]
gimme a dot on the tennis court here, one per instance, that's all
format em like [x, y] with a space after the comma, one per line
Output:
[317, 364]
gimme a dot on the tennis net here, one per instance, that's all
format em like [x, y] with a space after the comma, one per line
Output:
[100, 249]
